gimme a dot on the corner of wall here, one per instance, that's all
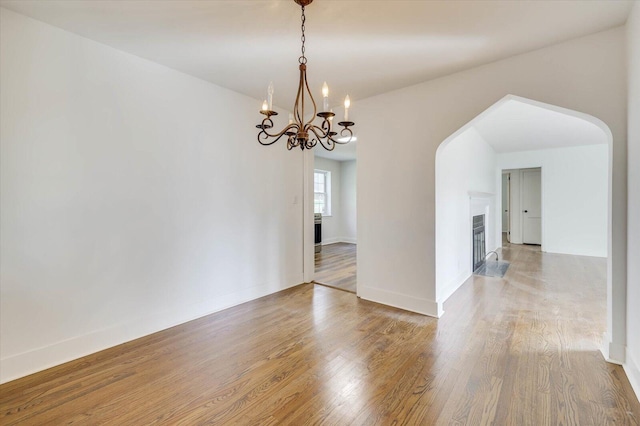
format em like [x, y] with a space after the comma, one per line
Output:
[452, 286]
[632, 368]
[402, 301]
[612, 352]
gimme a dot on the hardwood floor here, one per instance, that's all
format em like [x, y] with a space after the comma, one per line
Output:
[522, 350]
[336, 266]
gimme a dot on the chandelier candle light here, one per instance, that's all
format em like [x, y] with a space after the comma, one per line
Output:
[306, 135]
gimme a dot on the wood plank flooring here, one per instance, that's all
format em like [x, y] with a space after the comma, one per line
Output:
[336, 266]
[522, 350]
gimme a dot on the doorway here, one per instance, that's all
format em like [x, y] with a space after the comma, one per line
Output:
[575, 174]
[522, 206]
[334, 186]
[531, 207]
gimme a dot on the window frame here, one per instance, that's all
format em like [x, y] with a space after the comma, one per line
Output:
[327, 191]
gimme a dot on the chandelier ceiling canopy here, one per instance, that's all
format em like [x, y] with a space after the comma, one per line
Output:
[302, 131]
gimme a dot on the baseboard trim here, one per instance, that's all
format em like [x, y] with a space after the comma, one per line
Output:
[632, 368]
[453, 286]
[327, 241]
[338, 240]
[30, 362]
[401, 301]
[612, 352]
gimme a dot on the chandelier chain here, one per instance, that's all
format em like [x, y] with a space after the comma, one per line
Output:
[303, 59]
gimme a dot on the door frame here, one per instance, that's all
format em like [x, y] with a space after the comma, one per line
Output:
[515, 204]
[308, 246]
[521, 212]
[508, 202]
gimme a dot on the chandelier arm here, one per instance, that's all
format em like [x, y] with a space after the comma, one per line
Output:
[267, 123]
[344, 132]
[309, 143]
[328, 144]
[290, 127]
[315, 109]
[292, 142]
[326, 126]
[326, 141]
[315, 129]
[264, 136]
[264, 140]
[299, 95]
[326, 134]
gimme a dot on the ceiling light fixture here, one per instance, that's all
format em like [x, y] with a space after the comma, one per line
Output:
[299, 132]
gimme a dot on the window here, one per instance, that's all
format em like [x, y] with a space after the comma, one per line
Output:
[322, 192]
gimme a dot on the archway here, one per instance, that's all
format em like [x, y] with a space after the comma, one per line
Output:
[468, 174]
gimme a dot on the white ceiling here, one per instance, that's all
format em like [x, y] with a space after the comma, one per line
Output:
[519, 126]
[344, 152]
[362, 48]
[359, 47]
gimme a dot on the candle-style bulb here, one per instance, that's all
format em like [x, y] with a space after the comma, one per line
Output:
[290, 118]
[270, 95]
[347, 104]
[265, 106]
[331, 118]
[325, 97]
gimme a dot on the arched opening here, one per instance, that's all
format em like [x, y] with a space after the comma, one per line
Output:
[515, 134]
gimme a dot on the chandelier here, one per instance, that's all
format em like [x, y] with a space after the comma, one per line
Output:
[299, 132]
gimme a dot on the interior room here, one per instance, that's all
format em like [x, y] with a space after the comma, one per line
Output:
[310, 211]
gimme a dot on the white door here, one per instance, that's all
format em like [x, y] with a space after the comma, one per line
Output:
[531, 207]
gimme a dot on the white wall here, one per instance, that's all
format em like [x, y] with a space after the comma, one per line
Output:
[574, 197]
[133, 198]
[332, 225]
[396, 157]
[632, 365]
[349, 211]
[464, 165]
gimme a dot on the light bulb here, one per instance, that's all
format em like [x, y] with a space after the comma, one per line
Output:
[290, 118]
[270, 95]
[325, 95]
[265, 106]
[347, 104]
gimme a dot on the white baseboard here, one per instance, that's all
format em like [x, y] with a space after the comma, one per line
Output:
[612, 352]
[453, 286]
[328, 241]
[632, 368]
[402, 301]
[24, 364]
